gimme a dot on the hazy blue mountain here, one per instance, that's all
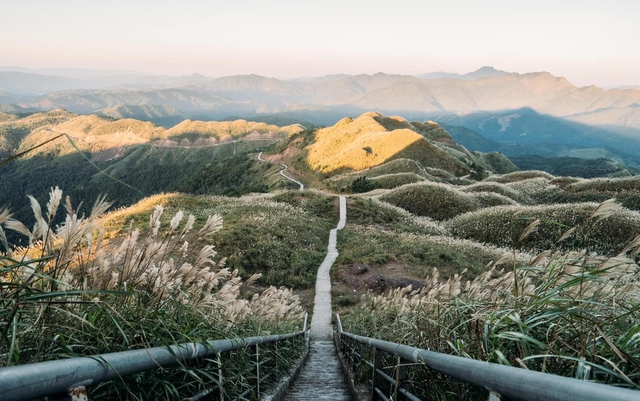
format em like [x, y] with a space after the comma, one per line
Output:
[20, 83]
[27, 83]
[526, 132]
[483, 72]
[76, 73]
[388, 93]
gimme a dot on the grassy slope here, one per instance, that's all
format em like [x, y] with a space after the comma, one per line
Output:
[282, 236]
[135, 169]
[373, 139]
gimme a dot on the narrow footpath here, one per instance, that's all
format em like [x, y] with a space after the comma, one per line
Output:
[285, 167]
[321, 378]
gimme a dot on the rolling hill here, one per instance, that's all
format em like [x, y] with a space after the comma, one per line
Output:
[389, 151]
[128, 159]
[164, 115]
[432, 223]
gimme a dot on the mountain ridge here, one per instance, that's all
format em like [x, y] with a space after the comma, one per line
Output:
[541, 91]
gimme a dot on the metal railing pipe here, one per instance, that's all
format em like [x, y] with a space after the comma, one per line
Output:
[339, 324]
[26, 382]
[512, 383]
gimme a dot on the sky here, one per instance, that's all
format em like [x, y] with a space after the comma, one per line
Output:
[586, 41]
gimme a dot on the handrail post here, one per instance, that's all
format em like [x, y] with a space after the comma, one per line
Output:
[306, 337]
[401, 375]
[220, 385]
[377, 364]
[257, 371]
[277, 355]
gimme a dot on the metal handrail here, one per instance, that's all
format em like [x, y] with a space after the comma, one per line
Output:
[35, 380]
[502, 381]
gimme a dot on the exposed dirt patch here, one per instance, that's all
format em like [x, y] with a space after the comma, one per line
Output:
[351, 282]
[357, 269]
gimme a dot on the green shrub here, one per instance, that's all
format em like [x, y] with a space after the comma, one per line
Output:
[498, 188]
[371, 211]
[532, 189]
[489, 199]
[362, 184]
[438, 201]
[418, 252]
[623, 184]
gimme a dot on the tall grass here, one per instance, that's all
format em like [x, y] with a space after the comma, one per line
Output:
[72, 292]
[572, 313]
[499, 225]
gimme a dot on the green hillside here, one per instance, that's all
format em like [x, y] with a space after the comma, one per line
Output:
[436, 234]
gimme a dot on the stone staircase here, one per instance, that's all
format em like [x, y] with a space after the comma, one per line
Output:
[321, 378]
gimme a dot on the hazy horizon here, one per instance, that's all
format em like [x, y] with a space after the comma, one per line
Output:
[584, 41]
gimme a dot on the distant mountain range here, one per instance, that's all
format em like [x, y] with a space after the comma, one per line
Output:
[484, 72]
[534, 113]
[486, 89]
[30, 84]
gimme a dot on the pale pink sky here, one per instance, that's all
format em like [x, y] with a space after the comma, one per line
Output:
[587, 41]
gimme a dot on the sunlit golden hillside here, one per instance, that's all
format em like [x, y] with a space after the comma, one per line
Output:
[373, 139]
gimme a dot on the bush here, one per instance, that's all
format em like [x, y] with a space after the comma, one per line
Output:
[390, 181]
[438, 201]
[489, 199]
[417, 252]
[371, 211]
[283, 237]
[533, 189]
[362, 184]
[623, 184]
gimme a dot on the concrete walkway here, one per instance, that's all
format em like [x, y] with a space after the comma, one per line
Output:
[282, 171]
[321, 378]
[321, 329]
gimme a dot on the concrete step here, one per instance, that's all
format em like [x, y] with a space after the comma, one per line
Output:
[321, 377]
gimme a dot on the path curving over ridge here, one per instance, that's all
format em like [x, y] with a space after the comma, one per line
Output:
[321, 377]
[282, 171]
